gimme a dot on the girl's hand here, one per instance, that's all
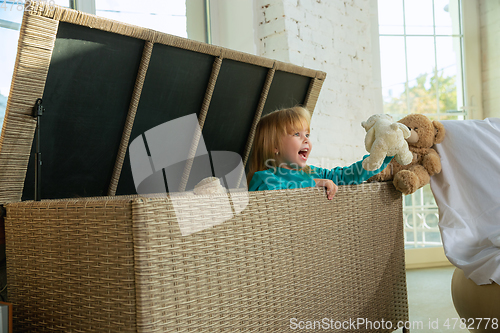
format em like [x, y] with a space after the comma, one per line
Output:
[331, 188]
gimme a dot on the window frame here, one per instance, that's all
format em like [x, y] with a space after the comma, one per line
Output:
[199, 27]
[463, 111]
[203, 17]
[87, 6]
[472, 100]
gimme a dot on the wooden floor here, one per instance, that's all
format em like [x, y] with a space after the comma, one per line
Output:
[429, 297]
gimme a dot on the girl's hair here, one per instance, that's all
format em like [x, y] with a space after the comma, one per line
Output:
[269, 135]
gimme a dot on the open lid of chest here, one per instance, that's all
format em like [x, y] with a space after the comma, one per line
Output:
[104, 83]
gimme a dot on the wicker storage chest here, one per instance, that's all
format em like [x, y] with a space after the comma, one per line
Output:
[95, 257]
[121, 264]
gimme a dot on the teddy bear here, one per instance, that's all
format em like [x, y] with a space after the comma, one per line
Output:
[425, 163]
[385, 138]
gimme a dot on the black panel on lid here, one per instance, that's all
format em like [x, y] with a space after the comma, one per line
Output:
[233, 106]
[287, 90]
[87, 95]
[175, 85]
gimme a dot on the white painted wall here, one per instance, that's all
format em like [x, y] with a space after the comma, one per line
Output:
[490, 50]
[335, 37]
[329, 35]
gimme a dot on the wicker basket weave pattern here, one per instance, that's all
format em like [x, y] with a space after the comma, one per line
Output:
[120, 264]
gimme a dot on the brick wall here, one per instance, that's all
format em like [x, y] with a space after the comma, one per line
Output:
[333, 36]
[490, 50]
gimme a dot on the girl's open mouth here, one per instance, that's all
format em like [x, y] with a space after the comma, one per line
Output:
[303, 154]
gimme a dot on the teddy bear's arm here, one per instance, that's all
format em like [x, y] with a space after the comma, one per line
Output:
[431, 162]
[369, 139]
[439, 132]
[384, 175]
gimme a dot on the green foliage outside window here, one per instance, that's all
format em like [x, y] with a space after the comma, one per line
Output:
[422, 96]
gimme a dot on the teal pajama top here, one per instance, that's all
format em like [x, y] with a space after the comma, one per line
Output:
[281, 179]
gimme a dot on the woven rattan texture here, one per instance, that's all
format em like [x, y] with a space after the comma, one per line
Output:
[71, 266]
[201, 120]
[127, 130]
[36, 42]
[289, 254]
[313, 93]
[258, 113]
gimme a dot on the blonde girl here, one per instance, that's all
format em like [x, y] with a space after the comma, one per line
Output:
[280, 152]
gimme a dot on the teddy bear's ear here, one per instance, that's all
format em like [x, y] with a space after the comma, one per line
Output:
[439, 132]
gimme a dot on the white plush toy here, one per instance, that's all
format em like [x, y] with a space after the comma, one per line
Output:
[385, 138]
[209, 185]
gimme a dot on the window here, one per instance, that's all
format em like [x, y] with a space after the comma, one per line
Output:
[184, 18]
[422, 72]
[10, 22]
[11, 15]
[164, 16]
